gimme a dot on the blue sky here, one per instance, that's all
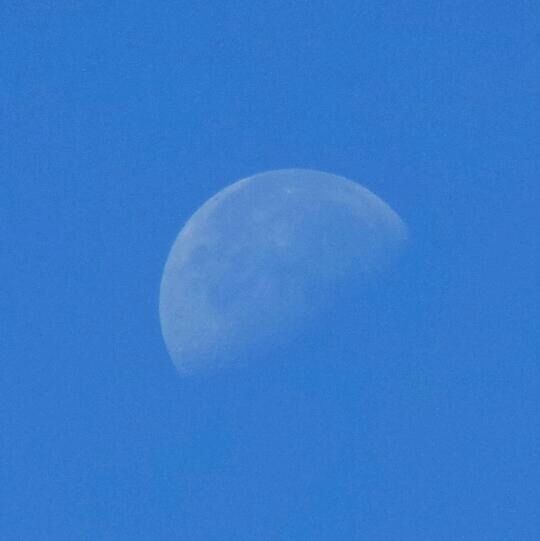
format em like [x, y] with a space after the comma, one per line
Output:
[119, 120]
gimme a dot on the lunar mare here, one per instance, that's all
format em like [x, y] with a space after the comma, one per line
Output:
[259, 258]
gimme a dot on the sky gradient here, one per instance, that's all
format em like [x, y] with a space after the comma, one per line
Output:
[119, 120]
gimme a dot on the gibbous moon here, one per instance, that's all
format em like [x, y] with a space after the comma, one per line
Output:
[259, 258]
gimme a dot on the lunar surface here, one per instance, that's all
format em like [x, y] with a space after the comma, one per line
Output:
[264, 255]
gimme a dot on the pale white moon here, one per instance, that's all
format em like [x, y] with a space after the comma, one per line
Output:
[258, 258]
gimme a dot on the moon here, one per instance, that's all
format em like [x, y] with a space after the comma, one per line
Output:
[258, 259]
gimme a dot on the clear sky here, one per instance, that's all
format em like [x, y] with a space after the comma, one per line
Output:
[118, 120]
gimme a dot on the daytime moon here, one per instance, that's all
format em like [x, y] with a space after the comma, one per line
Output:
[258, 259]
